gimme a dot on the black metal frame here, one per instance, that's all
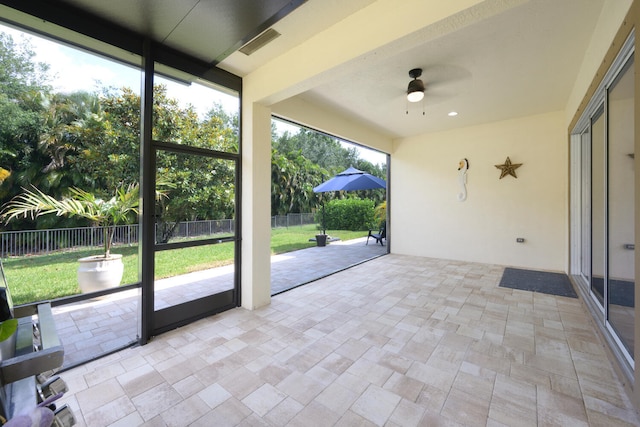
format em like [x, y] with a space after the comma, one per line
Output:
[147, 192]
[159, 321]
[148, 53]
[155, 322]
[89, 25]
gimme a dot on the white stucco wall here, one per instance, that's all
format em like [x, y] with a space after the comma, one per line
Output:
[428, 220]
[613, 13]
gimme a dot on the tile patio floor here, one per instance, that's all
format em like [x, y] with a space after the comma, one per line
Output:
[100, 325]
[397, 341]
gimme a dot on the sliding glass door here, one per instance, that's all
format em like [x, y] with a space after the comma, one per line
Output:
[620, 204]
[604, 152]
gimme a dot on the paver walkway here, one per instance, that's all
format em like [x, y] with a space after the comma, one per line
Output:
[294, 268]
[101, 325]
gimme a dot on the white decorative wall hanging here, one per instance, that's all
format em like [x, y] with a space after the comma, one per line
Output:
[463, 167]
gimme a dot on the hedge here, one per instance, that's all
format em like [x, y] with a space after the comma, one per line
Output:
[348, 214]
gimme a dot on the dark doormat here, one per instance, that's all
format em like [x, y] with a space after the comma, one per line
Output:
[538, 281]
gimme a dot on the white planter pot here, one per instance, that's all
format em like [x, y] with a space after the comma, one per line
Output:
[97, 273]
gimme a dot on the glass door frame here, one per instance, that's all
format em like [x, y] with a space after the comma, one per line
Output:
[599, 232]
[585, 205]
[150, 323]
[181, 314]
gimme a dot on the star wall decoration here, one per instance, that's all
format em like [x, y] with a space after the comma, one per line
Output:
[508, 168]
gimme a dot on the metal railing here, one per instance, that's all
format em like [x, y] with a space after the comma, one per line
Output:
[189, 229]
[41, 242]
[292, 219]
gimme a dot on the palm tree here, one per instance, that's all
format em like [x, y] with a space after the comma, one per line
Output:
[380, 213]
[103, 213]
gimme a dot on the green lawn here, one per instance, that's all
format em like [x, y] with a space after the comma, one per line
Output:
[45, 277]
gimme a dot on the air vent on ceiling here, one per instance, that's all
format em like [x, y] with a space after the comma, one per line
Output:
[259, 41]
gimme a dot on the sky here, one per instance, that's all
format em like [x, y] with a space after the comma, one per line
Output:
[75, 70]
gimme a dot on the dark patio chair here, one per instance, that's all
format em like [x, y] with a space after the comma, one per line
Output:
[382, 234]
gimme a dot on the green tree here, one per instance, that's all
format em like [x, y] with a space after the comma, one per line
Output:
[203, 187]
[23, 85]
[294, 157]
[292, 181]
[63, 138]
[108, 136]
[321, 149]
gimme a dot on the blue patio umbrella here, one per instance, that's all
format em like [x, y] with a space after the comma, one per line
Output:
[351, 179]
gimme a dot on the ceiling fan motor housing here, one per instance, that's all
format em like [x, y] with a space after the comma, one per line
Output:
[415, 85]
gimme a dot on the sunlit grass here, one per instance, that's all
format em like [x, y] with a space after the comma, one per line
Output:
[47, 277]
[294, 238]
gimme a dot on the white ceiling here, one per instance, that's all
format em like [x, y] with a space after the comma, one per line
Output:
[522, 59]
[519, 62]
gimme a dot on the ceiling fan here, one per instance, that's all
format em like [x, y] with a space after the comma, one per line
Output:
[445, 81]
[416, 88]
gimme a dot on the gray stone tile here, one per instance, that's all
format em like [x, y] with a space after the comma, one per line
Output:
[376, 405]
[398, 341]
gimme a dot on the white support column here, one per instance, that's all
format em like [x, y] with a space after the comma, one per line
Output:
[256, 205]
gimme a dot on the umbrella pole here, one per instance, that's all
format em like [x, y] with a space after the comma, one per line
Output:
[324, 220]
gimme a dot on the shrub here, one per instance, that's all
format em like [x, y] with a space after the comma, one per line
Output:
[381, 213]
[348, 214]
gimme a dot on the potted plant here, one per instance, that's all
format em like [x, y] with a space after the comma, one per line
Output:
[95, 272]
[321, 239]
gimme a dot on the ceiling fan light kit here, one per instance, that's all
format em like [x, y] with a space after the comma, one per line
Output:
[415, 90]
